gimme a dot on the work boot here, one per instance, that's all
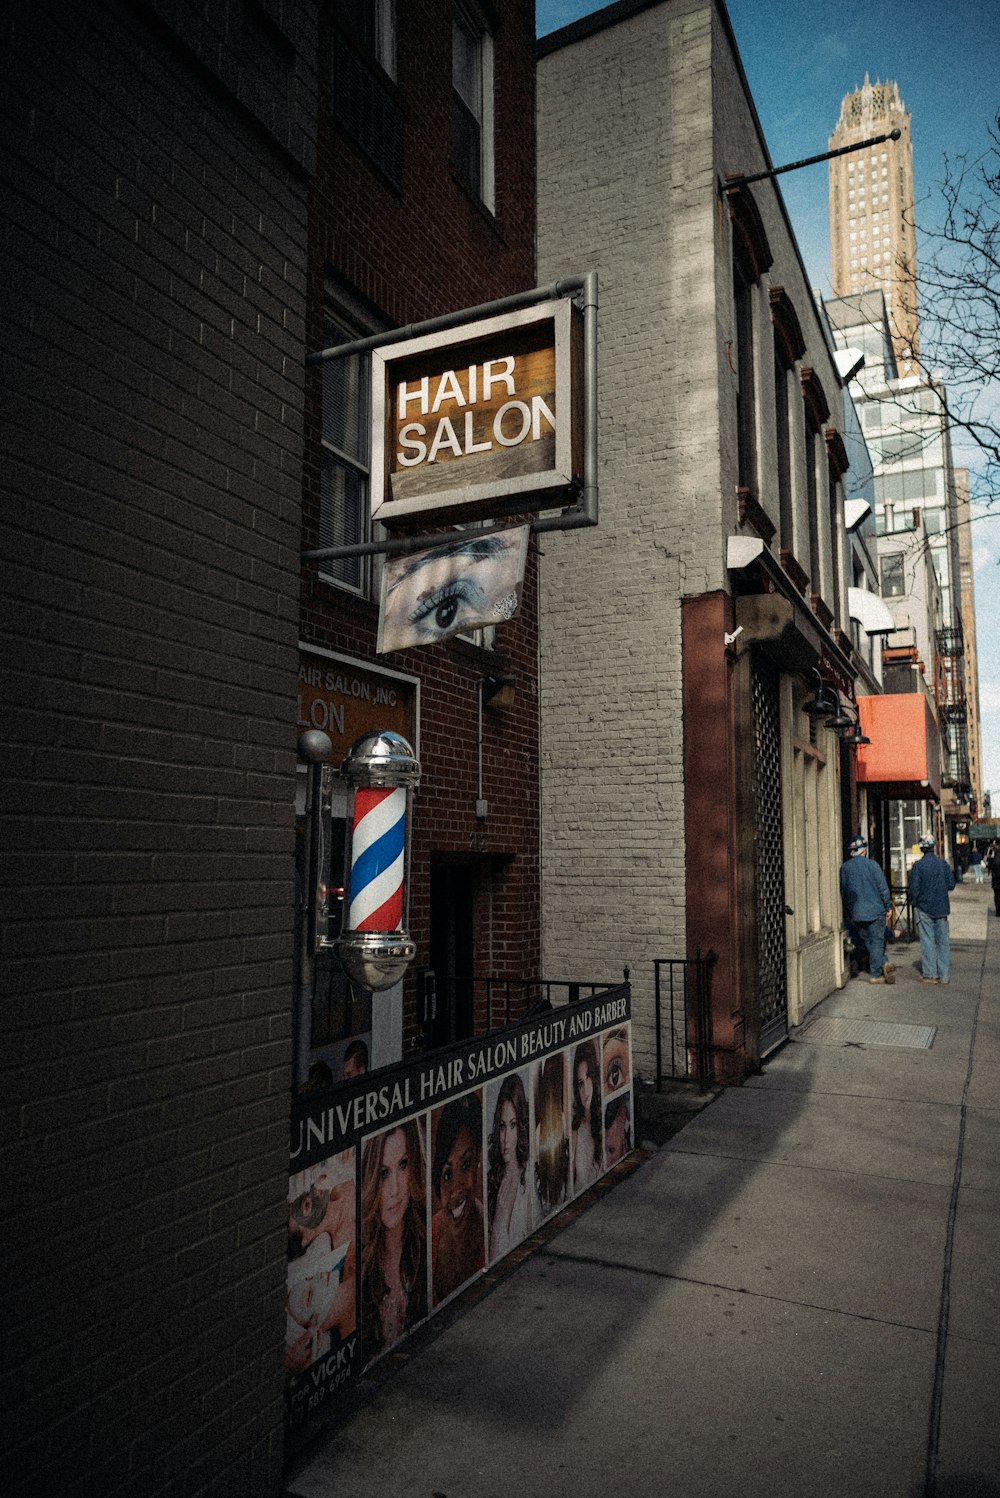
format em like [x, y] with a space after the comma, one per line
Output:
[879, 979]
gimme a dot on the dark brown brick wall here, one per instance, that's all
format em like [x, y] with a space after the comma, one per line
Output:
[155, 162]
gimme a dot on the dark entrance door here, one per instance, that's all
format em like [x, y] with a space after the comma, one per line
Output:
[452, 953]
[769, 859]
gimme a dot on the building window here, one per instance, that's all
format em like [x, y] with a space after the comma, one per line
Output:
[364, 95]
[893, 580]
[344, 475]
[783, 439]
[746, 416]
[372, 24]
[472, 103]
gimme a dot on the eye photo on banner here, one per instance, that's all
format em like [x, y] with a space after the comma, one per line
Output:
[464, 584]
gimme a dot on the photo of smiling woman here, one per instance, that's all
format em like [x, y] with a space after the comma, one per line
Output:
[458, 1233]
[508, 1199]
[586, 1138]
[393, 1237]
[461, 585]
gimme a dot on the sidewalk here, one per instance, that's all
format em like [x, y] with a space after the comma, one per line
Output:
[799, 1294]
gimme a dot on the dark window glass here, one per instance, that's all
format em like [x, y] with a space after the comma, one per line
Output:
[344, 490]
[892, 575]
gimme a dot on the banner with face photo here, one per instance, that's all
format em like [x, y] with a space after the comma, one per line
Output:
[407, 1181]
[458, 1219]
[393, 1236]
[321, 1343]
[550, 1144]
[461, 585]
[586, 1118]
[509, 1183]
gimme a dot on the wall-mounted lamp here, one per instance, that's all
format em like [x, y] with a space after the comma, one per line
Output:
[824, 701]
[498, 692]
[856, 738]
[842, 720]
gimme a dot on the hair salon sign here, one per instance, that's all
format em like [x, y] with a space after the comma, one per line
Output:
[482, 413]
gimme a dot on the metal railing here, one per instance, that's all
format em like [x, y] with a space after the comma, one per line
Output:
[685, 985]
[903, 914]
[496, 1002]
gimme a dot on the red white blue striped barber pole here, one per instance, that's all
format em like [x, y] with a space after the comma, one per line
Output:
[377, 849]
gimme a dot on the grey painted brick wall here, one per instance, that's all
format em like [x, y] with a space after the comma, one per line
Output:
[155, 168]
[638, 125]
[625, 165]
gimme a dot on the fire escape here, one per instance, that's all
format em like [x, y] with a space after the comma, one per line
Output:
[949, 690]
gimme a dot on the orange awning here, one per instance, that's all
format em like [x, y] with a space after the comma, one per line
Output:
[904, 756]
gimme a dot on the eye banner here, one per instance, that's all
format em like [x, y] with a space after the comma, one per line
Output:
[462, 585]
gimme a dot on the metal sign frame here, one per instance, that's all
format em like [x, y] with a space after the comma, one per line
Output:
[444, 487]
[582, 506]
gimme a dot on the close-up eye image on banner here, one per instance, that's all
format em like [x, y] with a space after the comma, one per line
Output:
[461, 585]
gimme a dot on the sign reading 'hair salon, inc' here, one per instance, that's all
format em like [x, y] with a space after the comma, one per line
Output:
[479, 414]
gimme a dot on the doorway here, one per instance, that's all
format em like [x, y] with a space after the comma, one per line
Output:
[453, 950]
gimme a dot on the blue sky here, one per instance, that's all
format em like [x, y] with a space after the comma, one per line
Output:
[800, 61]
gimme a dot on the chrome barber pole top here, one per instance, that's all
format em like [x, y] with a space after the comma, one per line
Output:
[375, 946]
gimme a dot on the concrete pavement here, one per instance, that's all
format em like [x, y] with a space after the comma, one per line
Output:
[798, 1294]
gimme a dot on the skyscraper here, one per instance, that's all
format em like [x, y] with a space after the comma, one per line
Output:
[872, 237]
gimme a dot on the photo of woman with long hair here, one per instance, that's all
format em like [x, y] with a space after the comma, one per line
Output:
[586, 1139]
[507, 1197]
[551, 1143]
[393, 1237]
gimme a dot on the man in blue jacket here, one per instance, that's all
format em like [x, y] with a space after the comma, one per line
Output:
[930, 880]
[867, 902]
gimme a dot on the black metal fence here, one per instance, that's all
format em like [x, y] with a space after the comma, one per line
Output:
[903, 915]
[683, 988]
[494, 1002]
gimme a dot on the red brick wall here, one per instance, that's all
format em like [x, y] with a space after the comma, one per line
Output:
[710, 819]
[416, 255]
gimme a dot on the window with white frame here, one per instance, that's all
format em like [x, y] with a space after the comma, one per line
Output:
[344, 475]
[365, 102]
[373, 23]
[472, 102]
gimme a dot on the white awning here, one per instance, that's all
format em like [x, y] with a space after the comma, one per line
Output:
[870, 612]
[855, 511]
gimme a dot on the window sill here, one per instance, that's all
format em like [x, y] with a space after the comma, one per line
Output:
[486, 214]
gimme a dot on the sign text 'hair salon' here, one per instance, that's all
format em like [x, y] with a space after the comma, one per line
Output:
[477, 415]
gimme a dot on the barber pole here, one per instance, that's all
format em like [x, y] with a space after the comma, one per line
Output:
[377, 846]
[375, 946]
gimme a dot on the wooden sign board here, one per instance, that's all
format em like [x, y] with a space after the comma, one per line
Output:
[472, 420]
